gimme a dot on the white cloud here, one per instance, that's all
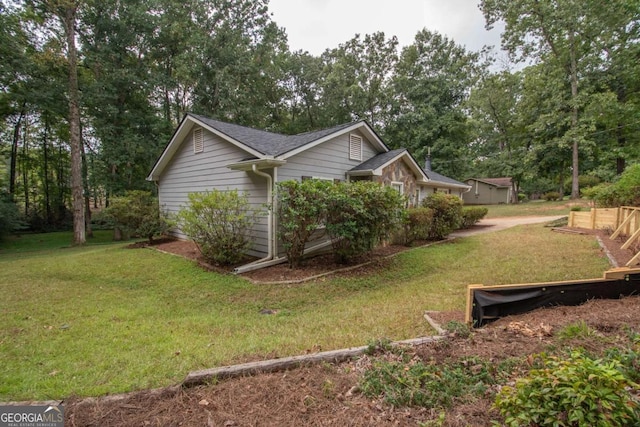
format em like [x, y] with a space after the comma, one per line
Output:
[316, 25]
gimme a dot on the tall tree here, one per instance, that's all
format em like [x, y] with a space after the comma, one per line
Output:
[357, 80]
[432, 80]
[567, 34]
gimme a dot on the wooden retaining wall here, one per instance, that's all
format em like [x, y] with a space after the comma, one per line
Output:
[622, 222]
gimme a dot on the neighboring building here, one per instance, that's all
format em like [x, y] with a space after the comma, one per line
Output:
[205, 154]
[488, 191]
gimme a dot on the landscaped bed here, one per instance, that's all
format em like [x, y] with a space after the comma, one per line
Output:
[331, 394]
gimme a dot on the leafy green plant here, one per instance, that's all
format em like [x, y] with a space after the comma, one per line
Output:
[417, 224]
[302, 210]
[447, 214]
[360, 215]
[576, 330]
[471, 215]
[137, 213]
[428, 385]
[551, 196]
[458, 328]
[576, 391]
[219, 222]
[625, 191]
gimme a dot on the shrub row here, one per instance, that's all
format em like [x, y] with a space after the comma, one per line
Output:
[623, 192]
[355, 216]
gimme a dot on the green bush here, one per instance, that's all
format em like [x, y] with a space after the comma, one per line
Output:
[219, 222]
[360, 215]
[9, 216]
[447, 214]
[471, 215]
[428, 385]
[136, 214]
[577, 391]
[301, 210]
[625, 191]
[551, 196]
[417, 224]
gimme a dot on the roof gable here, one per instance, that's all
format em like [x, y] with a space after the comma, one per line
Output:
[258, 143]
[374, 165]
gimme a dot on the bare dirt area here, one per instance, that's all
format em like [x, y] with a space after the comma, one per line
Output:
[328, 394]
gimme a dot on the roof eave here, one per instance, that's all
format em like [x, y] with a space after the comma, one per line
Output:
[265, 163]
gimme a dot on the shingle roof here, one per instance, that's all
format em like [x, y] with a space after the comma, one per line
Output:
[434, 176]
[268, 143]
[379, 160]
[498, 182]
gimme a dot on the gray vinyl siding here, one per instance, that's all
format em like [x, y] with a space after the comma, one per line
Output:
[189, 173]
[485, 194]
[327, 160]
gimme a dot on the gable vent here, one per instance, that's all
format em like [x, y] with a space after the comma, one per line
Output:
[355, 147]
[198, 141]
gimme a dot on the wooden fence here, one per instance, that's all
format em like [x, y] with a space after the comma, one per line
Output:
[622, 221]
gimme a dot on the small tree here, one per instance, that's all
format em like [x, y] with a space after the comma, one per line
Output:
[447, 214]
[301, 212]
[136, 213]
[219, 222]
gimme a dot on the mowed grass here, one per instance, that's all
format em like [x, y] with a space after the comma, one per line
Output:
[536, 208]
[105, 319]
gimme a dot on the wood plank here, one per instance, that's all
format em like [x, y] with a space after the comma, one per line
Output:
[628, 243]
[277, 365]
[623, 225]
[634, 260]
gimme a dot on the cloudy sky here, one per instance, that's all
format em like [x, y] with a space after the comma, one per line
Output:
[315, 25]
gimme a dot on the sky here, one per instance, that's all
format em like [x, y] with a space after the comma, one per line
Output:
[315, 25]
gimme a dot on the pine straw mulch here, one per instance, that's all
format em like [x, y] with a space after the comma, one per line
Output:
[327, 394]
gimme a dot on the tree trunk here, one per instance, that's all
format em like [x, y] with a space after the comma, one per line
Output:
[87, 202]
[14, 153]
[575, 187]
[69, 19]
[45, 172]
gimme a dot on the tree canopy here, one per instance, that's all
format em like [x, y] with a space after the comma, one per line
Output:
[91, 93]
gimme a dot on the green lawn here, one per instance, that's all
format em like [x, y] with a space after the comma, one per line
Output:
[536, 207]
[107, 319]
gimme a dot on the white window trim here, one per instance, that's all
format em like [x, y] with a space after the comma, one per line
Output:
[198, 140]
[355, 147]
[398, 184]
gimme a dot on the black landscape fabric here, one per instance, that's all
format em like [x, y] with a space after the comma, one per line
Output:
[492, 304]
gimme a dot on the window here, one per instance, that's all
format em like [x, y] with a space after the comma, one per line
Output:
[198, 141]
[355, 147]
[398, 186]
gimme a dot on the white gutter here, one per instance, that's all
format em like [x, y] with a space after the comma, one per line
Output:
[271, 258]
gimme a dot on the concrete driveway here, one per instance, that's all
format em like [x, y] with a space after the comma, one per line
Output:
[488, 225]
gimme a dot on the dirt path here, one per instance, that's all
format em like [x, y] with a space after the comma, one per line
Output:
[487, 225]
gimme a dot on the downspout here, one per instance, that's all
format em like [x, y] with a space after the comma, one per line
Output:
[263, 262]
[270, 238]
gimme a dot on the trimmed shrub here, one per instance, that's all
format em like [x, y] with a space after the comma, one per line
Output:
[551, 196]
[136, 214]
[360, 215]
[417, 224]
[301, 210]
[625, 191]
[471, 215]
[573, 391]
[219, 222]
[447, 214]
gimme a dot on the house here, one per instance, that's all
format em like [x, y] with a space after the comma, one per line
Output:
[489, 191]
[205, 154]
